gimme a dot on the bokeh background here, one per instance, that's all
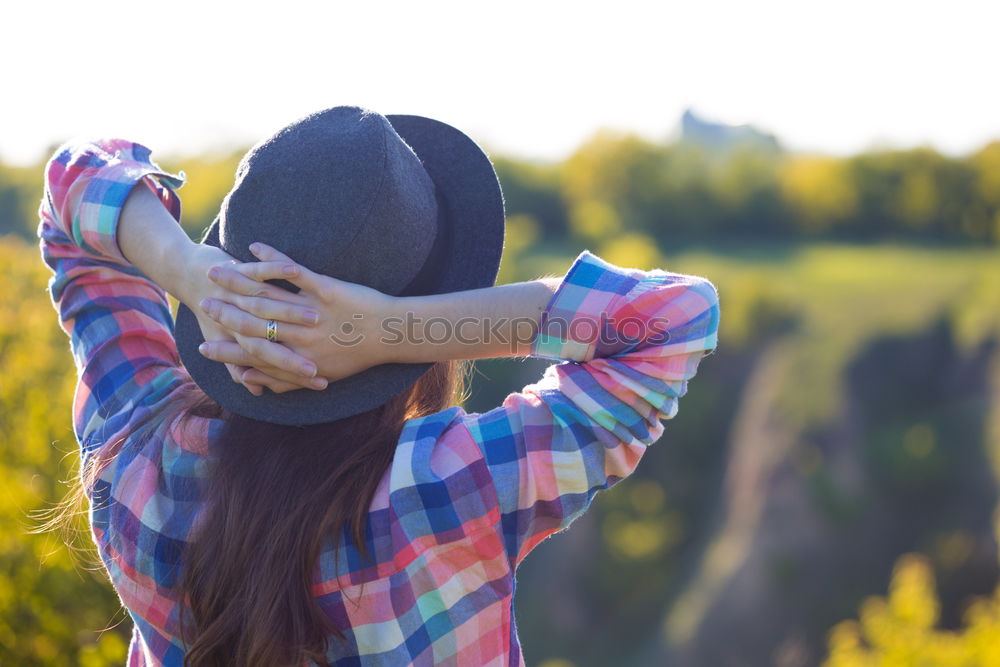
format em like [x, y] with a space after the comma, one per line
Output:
[828, 492]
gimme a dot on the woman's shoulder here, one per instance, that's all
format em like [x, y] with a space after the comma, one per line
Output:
[438, 481]
[431, 450]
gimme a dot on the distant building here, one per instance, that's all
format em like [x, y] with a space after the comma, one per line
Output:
[720, 137]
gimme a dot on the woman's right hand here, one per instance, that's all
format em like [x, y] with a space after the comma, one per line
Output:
[345, 340]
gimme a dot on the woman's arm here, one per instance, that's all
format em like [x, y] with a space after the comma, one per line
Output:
[631, 341]
[118, 321]
[492, 322]
[151, 239]
[359, 327]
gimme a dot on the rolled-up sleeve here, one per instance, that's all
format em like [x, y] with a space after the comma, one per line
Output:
[118, 321]
[629, 342]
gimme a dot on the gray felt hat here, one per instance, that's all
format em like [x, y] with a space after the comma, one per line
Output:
[404, 204]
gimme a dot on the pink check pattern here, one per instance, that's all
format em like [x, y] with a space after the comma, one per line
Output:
[466, 497]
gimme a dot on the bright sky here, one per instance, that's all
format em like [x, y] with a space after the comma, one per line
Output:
[530, 78]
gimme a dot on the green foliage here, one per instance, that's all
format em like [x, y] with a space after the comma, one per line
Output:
[20, 194]
[900, 629]
[637, 203]
[818, 191]
[208, 179]
[825, 304]
[53, 610]
[916, 193]
[827, 300]
[668, 193]
[533, 189]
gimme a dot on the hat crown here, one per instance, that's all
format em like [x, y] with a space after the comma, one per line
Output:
[403, 203]
[340, 192]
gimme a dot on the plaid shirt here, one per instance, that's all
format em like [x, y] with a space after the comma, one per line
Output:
[466, 497]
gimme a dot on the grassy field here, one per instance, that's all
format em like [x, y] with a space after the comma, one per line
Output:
[831, 297]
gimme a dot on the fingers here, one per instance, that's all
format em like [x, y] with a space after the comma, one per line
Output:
[303, 278]
[257, 377]
[277, 360]
[275, 379]
[266, 253]
[261, 271]
[273, 358]
[272, 309]
[246, 323]
[247, 279]
[236, 373]
[277, 386]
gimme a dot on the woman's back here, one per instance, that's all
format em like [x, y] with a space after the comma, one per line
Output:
[464, 497]
[434, 589]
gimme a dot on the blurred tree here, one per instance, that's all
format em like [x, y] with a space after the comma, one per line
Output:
[615, 181]
[20, 193]
[533, 188]
[594, 220]
[985, 213]
[819, 192]
[900, 629]
[747, 185]
[208, 179]
[916, 193]
[673, 193]
[52, 611]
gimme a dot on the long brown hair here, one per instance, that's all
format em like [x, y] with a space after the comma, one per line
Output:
[273, 494]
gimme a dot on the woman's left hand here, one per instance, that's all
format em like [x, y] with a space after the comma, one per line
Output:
[278, 368]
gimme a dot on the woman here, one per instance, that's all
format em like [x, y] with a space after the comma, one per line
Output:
[280, 478]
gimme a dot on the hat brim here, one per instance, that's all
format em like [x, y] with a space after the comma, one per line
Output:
[471, 192]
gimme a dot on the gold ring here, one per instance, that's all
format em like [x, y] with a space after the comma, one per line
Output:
[272, 331]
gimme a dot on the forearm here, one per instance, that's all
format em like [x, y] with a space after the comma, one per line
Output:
[497, 321]
[151, 239]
